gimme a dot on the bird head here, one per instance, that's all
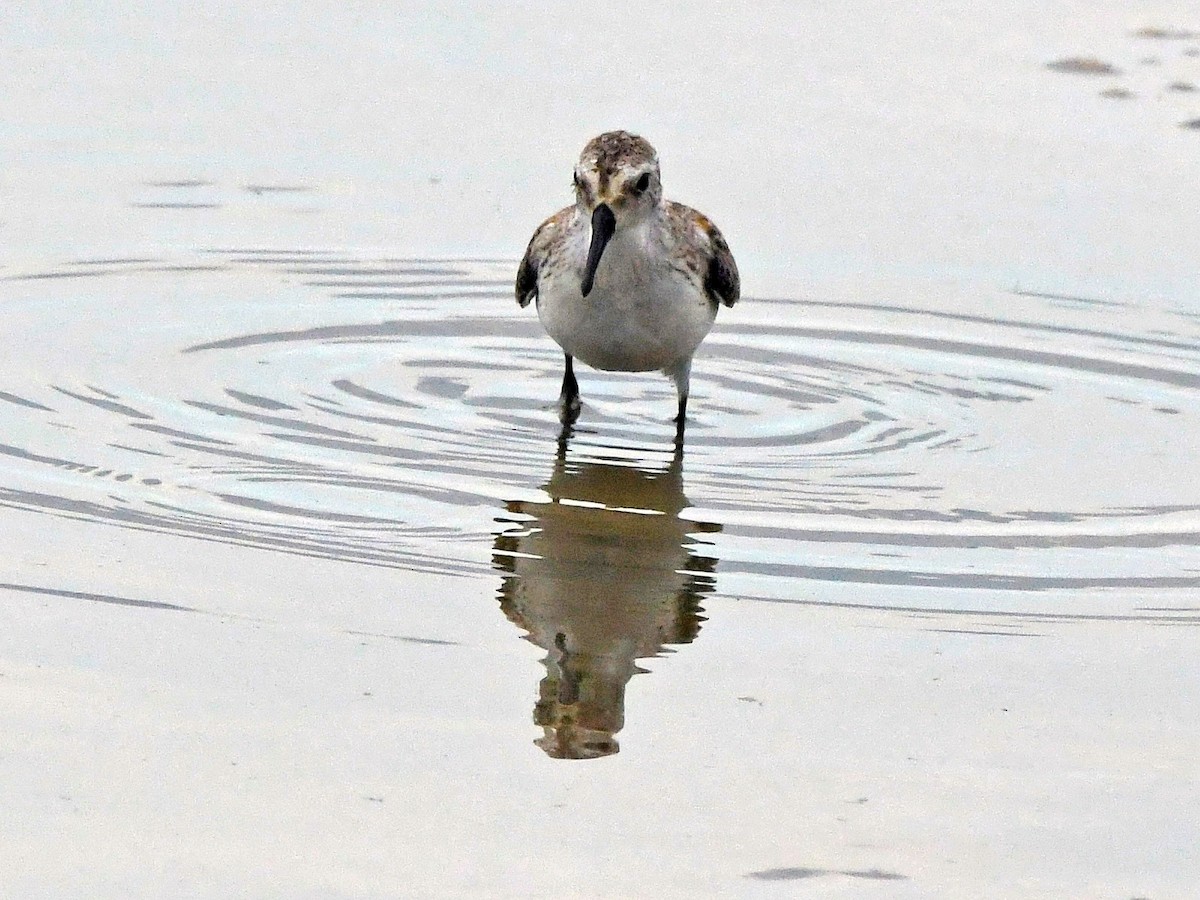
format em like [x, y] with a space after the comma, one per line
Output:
[617, 185]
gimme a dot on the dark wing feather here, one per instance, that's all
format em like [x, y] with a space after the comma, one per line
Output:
[535, 255]
[526, 287]
[721, 281]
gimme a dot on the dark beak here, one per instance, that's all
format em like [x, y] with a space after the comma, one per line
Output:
[604, 223]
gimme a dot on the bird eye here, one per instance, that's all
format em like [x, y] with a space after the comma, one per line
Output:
[642, 183]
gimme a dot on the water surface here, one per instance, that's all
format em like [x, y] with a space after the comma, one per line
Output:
[305, 595]
[1009, 450]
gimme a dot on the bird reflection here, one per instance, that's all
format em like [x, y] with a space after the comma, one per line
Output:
[602, 575]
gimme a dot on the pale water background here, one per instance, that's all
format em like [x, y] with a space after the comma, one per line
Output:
[281, 494]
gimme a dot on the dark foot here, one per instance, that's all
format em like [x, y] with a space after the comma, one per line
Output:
[568, 409]
[568, 398]
[564, 439]
[677, 455]
[681, 419]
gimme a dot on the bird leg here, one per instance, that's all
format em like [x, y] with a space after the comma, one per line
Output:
[568, 398]
[681, 418]
[681, 375]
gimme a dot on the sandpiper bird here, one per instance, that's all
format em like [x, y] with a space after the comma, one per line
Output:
[625, 280]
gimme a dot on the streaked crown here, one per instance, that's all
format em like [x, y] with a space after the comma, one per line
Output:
[618, 168]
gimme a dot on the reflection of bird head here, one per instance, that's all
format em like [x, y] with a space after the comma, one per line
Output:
[579, 709]
[601, 575]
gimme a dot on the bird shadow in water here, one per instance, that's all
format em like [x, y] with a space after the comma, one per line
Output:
[601, 575]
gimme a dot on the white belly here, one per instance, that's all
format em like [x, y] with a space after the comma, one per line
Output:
[641, 314]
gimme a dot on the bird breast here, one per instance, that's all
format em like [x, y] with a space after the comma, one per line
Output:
[647, 310]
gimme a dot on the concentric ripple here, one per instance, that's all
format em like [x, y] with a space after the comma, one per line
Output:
[1017, 455]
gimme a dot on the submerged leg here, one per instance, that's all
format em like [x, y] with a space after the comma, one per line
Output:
[568, 398]
[681, 375]
[681, 417]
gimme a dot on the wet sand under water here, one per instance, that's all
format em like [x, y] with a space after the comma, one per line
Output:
[305, 596]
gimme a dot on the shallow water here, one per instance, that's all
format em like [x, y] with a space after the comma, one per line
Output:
[304, 594]
[387, 411]
[966, 466]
